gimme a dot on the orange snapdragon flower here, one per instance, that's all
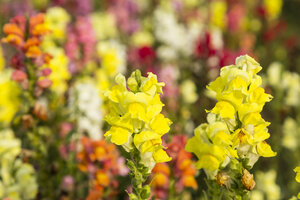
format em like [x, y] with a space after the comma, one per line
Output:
[188, 171]
[161, 173]
[16, 32]
[101, 160]
[184, 169]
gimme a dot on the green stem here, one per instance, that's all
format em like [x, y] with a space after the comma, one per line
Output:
[139, 175]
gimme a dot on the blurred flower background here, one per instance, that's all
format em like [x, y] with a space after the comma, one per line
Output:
[55, 68]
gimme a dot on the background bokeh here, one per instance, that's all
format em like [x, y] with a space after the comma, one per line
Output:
[185, 43]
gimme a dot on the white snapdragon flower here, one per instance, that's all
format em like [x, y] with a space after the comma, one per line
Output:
[176, 38]
[85, 104]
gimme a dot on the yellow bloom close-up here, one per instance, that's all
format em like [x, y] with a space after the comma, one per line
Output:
[212, 145]
[135, 118]
[236, 130]
[240, 101]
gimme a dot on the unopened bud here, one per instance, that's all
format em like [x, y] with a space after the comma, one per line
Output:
[18, 75]
[46, 71]
[47, 58]
[45, 83]
[248, 180]
[39, 111]
[27, 121]
[223, 179]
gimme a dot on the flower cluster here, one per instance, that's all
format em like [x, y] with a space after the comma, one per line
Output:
[80, 43]
[167, 29]
[212, 145]
[17, 178]
[64, 64]
[26, 36]
[57, 19]
[113, 61]
[10, 102]
[101, 160]
[235, 132]
[285, 81]
[135, 117]
[180, 170]
[85, 105]
[23, 41]
[183, 167]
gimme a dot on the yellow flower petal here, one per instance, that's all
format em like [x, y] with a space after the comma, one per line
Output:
[259, 96]
[146, 140]
[265, 150]
[225, 109]
[222, 138]
[118, 135]
[161, 156]
[208, 162]
[248, 63]
[253, 119]
[154, 107]
[247, 108]
[137, 111]
[160, 124]
[217, 85]
[297, 170]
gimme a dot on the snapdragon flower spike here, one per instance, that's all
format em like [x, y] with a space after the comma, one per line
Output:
[27, 42]
[135, 119]
[26, 36]
[235, 128]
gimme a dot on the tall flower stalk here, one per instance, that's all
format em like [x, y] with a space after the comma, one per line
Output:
[137, 125]
[234, 137]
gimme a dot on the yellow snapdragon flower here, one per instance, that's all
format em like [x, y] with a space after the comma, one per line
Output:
[9, 92]
[273, 8]
[142, 38]
[240, 100]
[113, 61]
[212, 144]
[58, 65]
[236, 129]
[113, 57]
[189, 91]
[297, 170]
[57, 19]
[218, 11]
[60, 74]
[18, 180]
[104, 25]
[135, 117]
